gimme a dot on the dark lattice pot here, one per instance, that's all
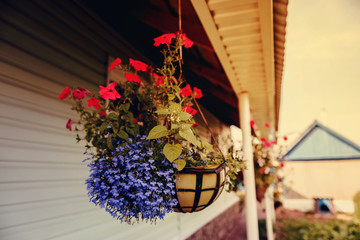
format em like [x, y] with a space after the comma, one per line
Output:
[197, 188]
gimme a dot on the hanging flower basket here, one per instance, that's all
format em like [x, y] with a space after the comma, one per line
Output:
[198, 188]
[141, 136]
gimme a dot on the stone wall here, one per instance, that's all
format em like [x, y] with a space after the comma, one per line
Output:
[220, 227]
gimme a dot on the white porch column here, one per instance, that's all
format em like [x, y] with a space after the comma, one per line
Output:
[249, 174]
[270, 213]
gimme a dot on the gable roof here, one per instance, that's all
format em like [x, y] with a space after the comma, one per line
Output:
[321, 143]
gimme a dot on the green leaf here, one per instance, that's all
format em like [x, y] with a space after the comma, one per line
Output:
[88, 137]
[183, 116]
[157, 132]
[131, 130]
[172, 151]
[103, 126]
[175, 107]
[186, 126]
[180, 164]
[123, 135]
[207, 146]
[162, 111]
[136, 130]
[171, 97]
[175, 126]
[126, 106]
[112, 116]
[188, 134]
[109, 144]
[129, 117]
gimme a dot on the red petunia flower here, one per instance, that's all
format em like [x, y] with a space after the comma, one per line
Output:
[189, 109]
[138, 65]
[186, 41]
[198, 93]
[132, 78]
[94, 102]
[164, 39]
[281, 164]
[273, 142]
[263, 140]
[109, 92]
[267, 125]
[103, 113]
[267, 144]
[68, 124]
[186, 91]
[194, 125]
[79, 93]
[135, 120]
[285, 138]
[115, 63]
[261, 171]
[65, 93]
[252, 123]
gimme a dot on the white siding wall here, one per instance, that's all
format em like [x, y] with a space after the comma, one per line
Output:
[44, 46]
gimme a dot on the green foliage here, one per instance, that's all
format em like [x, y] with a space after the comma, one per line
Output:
[158, 131]
[172, 151]
[290, 229]
[357, 206]
[180, 163]
[162, 110]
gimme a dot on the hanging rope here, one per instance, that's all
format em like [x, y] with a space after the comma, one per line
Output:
[196, 103]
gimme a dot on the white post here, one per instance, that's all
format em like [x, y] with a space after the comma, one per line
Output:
[252, 229]
[269, 207]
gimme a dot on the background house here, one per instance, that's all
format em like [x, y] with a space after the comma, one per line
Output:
[322, 164]
[46, 45]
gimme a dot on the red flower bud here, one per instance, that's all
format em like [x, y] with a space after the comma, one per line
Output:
[65, 93]
[132, 78]
[252, 123]
[68, 124]
[194, 125]
[79, 93]
[109, 92]
[138, 65]
[189, 109]
[267, 144]
[115, 63]
[186, 41]
[164, 39]
[198, 93]
[186, 91]
[94, 102]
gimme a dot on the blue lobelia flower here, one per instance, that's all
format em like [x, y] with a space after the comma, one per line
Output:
[130, 184]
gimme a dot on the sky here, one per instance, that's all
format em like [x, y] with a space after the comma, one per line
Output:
[321, 78]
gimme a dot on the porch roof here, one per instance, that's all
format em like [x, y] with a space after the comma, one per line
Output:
[239, 46]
